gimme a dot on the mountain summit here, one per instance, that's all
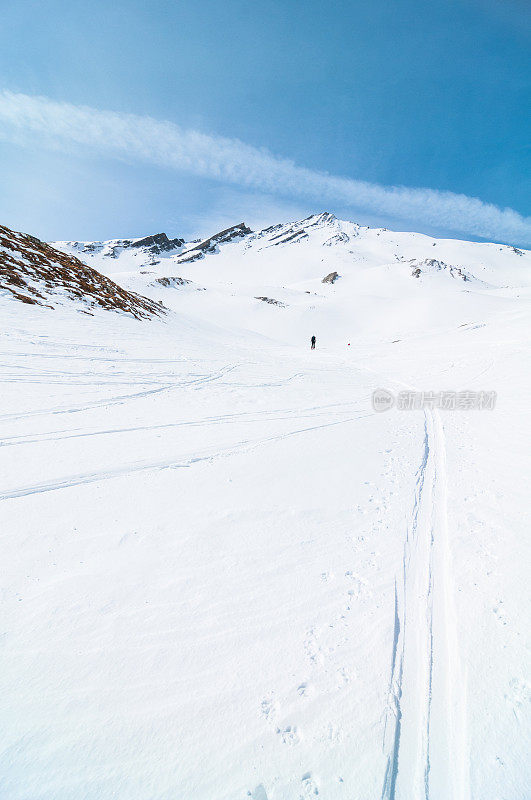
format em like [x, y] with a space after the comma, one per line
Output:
[316, 274]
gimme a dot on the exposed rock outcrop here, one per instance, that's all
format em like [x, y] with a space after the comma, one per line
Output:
[330, 278]
[271, 301]
[171, 281]
[209, 245]
[158, 243]
[38, 274]
[430, 265]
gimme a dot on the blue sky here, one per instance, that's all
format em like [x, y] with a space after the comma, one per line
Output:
[405, 93]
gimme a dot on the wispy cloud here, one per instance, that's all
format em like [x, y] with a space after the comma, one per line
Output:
[30, 120]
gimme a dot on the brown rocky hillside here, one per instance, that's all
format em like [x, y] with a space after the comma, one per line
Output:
[34, 272]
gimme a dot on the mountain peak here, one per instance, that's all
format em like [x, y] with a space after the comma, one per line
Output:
[158, 243]
[210, 245]
[325, 217]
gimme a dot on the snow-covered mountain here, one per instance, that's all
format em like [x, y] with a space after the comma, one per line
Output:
[293, 250]
[225, 573]
[386, 282]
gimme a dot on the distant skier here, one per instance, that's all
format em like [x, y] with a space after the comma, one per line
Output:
[313, 342]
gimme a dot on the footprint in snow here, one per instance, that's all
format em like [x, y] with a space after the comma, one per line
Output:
[258, 794]
[309, 786]
[498, 610]
[289, 735]
[304, 689]
[344, 676]
[519, 694]
[268, 708]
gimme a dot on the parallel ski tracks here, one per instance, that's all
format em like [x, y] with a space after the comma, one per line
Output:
[425, 736]
[182, 461]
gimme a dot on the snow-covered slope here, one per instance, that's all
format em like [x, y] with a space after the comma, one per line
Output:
[225, 574]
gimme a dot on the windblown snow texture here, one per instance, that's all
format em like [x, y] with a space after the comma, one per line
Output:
[224, 574]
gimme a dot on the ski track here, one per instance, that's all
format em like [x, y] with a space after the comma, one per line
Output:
[246, 417]
[425, 732]
[121, 398]
[182, 462]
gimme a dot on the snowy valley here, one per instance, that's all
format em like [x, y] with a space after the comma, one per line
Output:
[228, 576]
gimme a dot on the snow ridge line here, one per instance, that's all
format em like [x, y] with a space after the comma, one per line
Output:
[426, 746]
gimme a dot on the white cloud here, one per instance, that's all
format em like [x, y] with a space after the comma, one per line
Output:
[30, 120]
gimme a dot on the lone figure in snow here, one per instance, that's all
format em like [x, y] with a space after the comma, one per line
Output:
[313, 342]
